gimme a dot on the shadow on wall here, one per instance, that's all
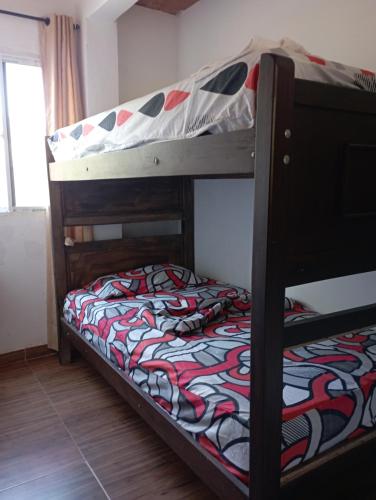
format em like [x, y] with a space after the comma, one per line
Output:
[223, 229]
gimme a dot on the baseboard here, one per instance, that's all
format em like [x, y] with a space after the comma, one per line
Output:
[26, 354]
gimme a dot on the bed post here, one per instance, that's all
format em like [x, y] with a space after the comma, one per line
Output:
[59, 264]
[273, 150]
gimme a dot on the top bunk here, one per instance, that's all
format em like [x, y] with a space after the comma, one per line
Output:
[204, 126]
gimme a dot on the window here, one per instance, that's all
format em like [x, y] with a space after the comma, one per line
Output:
[23, 172]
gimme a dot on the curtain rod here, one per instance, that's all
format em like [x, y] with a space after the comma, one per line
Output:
[45, 20]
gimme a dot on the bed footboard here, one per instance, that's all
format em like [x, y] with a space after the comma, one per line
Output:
[315, 219]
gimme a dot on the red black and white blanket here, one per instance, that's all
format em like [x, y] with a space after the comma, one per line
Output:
[218, 98]
[185, 341]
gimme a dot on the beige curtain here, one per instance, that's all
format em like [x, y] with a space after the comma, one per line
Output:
[64, 106]
[59, 55]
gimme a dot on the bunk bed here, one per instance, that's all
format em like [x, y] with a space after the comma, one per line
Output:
[312, 154]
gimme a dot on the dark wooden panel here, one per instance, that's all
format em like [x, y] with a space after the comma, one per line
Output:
[121, 197]
[322, 241]
[87, 261]
[359, 180]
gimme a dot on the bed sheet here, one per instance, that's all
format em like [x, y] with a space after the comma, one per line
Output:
[218, 98]
[202, 378]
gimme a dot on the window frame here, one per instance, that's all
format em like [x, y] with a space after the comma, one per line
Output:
[9, 173]
[6, 136]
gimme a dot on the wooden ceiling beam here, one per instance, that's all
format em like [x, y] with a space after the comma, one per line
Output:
[169, 6]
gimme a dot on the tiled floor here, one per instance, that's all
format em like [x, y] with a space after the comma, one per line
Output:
[65, 434]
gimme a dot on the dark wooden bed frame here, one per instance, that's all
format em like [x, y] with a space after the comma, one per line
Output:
[315, 219]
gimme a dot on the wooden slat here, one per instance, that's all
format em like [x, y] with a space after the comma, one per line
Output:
[223, 154]
[122, 218]
[326, 325]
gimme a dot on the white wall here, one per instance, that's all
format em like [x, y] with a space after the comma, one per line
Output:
[223, 229]
[100, 67]
[147, 44]
[20, 36]
[341, 30]
[22, 280]
[100, 52]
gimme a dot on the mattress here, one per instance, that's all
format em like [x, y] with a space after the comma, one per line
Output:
[187, 345]
[218, 98]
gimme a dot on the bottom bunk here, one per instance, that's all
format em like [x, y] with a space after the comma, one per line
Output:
[184, 341]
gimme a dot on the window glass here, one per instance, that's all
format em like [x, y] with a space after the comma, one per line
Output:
[26, 113]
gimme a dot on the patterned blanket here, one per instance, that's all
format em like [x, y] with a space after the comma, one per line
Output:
[200, 373]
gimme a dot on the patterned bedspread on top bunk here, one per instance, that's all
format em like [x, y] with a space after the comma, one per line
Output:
[218, 98]
[185, 341]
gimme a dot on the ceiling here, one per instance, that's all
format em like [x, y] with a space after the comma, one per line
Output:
[169, 6]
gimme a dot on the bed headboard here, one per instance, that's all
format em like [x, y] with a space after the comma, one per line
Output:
[103, 202]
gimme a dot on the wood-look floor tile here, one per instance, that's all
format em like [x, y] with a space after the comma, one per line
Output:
[122, 454]
[19, 382]
[7, 369]
[90, 395]
[35, 450]
[127, 456]
[24, 412]
[54, 376]
[69, 384]
[84, 423]
[72, 483]
[10, 358]
[77, 393]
